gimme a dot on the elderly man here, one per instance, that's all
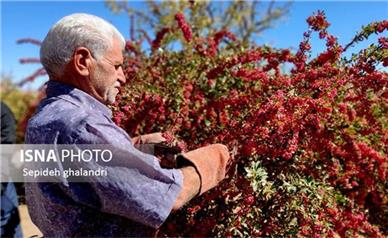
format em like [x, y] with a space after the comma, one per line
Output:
[82, 55]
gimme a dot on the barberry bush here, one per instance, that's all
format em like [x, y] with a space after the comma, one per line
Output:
[309, 134]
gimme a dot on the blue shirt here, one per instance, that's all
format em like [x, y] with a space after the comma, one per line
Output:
[129, 201]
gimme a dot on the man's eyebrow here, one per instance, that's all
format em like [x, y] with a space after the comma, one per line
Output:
[116, 62]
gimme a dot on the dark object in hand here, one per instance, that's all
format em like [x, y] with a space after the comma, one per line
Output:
[167, 155]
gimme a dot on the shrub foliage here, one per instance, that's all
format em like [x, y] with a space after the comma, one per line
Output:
[309, 134]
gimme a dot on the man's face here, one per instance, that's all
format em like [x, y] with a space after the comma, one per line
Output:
[108, 76]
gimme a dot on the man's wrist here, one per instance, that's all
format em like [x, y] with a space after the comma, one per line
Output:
[191, 186]
[197, 180]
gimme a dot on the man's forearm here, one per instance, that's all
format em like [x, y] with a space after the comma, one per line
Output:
[191, 186]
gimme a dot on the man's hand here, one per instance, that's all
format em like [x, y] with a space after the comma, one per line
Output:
[153, 138]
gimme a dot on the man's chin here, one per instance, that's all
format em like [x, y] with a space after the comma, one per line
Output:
[110, 99]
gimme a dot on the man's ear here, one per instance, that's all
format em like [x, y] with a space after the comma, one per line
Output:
[82, 61]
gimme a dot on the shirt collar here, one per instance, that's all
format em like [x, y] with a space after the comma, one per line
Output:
[76, 96]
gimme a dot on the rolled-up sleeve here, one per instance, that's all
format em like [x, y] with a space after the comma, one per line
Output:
[136, 187]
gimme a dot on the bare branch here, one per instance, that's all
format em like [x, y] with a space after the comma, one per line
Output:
[155, 8]
[210, 11]
[32, 77]
[29, 61]
[132, 28]
[29, 40]
[146, 36]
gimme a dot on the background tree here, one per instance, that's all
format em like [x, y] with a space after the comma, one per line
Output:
[245, 19]
[18, 100]
[10, 94]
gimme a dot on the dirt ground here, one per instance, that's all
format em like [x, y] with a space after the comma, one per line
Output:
[28, 228]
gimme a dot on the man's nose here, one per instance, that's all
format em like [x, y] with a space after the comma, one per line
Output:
[121, 76]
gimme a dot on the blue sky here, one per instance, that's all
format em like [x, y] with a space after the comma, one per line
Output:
[33, 19]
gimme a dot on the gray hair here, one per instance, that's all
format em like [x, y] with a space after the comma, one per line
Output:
[74, 31]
